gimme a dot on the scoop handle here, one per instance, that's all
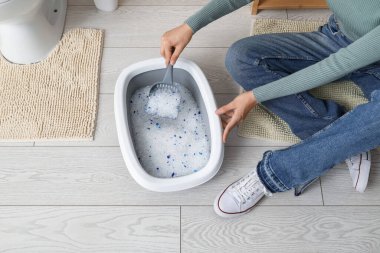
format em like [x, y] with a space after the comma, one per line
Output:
[169, 74]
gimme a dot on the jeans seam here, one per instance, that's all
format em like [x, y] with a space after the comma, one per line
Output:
[339, 28]
[287, 57]
[270, 175]
[307, 105]
[374, 73]
[333, 33]
[264, 177]
[274, 176]
[266, 68]
[264, 180]
[336, 24]
[261, 62]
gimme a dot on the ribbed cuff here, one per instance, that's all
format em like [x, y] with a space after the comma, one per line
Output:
[196, 22]
[260, 96]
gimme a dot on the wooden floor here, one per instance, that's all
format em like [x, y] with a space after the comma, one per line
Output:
[79, 197]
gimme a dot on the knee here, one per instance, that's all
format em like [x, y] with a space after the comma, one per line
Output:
[375, 101]
[243, 57]
[236, 57]
[375, 95]
[233, 58]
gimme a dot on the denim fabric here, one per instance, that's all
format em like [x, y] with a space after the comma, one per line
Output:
[328, 133]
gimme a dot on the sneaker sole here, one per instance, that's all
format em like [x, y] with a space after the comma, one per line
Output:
[362, 180]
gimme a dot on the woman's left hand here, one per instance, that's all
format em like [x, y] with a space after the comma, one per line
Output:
[235, 111]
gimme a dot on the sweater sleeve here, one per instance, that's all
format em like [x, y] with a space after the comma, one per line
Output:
[212, 11]
[360, 53]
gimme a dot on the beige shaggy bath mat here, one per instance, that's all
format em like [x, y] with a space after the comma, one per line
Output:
[262, 123]
[55, 99]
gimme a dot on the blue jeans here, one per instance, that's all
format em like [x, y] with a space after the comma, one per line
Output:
[328, 134]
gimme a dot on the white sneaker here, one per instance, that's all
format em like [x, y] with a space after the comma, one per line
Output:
[241, 196]
[359, 167]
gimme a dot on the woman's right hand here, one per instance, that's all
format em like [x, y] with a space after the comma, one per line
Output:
[174, 41]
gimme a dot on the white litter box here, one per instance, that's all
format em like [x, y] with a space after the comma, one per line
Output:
[189, 75]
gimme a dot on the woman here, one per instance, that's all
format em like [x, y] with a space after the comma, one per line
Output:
[277, 70]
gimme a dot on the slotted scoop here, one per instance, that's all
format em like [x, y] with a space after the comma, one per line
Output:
[164, 97]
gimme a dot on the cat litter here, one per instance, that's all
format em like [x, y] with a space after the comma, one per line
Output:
[169, 147]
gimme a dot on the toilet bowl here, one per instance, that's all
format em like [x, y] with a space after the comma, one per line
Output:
[30, 29]
[189, 75]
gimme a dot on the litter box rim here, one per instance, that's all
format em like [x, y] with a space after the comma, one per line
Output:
[137, 172]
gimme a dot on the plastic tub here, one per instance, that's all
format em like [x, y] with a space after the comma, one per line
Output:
[190, 75]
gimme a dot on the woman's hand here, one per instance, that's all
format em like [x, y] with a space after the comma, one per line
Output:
[235, 111]
[174, 41]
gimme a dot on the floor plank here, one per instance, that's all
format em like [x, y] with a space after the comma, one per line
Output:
[16, 144]
[279, 14]
[89, 229]
[144, 2]
[309, 14]
[212, 64]
[285, 229]
[98, 176]
[142, 26]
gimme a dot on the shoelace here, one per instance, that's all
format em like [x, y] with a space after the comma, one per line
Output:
[244, 189]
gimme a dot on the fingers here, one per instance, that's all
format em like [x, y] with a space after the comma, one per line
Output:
[228, 117]
[167, 53]
[163, 45]
[175, 55]
[225, 120]
[162, 51]
[226, 108]
[229, 113]
[233, 122]
[236, 110]
[166, 48]
[174, 41]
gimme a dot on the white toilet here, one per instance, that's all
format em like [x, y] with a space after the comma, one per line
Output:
[30, 29]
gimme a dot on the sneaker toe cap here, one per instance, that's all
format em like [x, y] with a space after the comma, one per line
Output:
[227, 204]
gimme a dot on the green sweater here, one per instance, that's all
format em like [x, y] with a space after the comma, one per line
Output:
[358, 20]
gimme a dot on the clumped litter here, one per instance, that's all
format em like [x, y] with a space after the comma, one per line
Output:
[169, 147]
[164, 103]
